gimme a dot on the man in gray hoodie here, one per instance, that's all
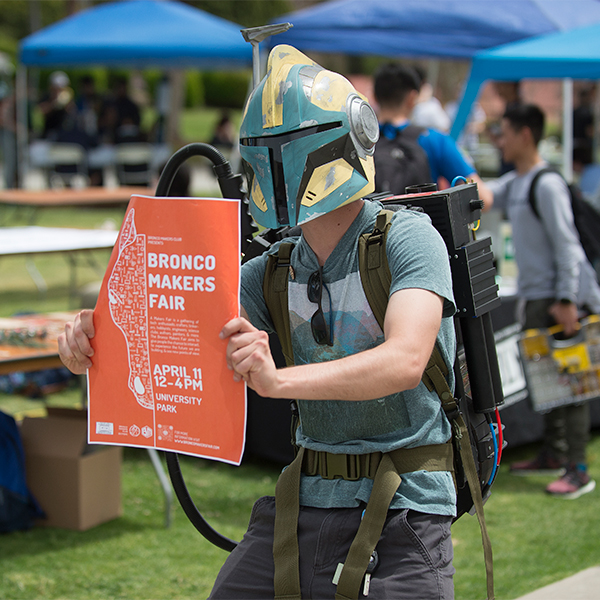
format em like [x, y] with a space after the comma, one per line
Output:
[556, 282]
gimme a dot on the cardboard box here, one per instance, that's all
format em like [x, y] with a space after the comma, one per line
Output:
[78, 485]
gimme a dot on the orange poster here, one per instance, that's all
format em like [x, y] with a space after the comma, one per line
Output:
[159, 377]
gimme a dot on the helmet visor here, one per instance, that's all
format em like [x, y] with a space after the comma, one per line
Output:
[267, 182]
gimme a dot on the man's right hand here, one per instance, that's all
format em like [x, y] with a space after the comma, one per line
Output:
[74, 345]
[565, 315]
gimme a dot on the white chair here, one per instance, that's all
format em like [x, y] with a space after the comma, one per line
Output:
[134, 163]
[67, 165]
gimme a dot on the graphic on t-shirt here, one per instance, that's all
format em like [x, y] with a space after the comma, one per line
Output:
[127, 295]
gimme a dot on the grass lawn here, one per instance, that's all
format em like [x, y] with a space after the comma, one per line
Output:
[536, 539]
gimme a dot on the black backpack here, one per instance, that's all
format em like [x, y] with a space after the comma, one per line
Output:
[587, 218]
[401, 162]
[18, 508]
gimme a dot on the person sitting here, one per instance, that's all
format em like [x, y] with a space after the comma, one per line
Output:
[56, 105]
[120, 118]
[223, 135]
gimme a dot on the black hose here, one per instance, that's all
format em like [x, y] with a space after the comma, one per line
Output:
[190, 509]
[177, 159]
[230, 185]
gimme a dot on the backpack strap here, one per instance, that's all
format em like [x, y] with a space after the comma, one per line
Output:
[531, 194]
[376, 279]
[275, 291]
[385, 469]
[373, 265]
[386, 476]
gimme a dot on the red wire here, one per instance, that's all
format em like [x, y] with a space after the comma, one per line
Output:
[500, 436]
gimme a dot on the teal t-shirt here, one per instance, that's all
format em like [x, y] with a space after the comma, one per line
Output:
[418, 258]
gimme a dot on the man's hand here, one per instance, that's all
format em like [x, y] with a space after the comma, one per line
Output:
[249, 356]
[565, 315]
[74, 345]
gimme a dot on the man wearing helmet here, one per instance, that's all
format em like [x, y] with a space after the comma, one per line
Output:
[307, 142]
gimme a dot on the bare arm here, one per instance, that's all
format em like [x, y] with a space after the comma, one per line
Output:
[485, 193]
[412, 322]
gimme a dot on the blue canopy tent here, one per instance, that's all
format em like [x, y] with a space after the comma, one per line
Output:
[429, 28]
[138, 33]
[132, 34]
[573, 54]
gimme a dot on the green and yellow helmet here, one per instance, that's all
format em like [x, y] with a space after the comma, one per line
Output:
[307, 141]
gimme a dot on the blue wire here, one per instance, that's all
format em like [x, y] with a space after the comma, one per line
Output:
[495, 454]
[457, 178]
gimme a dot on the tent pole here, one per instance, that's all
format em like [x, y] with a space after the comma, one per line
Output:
[596, 143]
[567, 141]
[22, 124]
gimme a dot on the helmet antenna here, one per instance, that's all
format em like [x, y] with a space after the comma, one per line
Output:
[255, 35]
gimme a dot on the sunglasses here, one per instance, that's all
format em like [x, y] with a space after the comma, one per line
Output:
[321, 333]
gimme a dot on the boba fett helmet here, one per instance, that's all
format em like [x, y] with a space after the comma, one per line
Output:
[306, 140]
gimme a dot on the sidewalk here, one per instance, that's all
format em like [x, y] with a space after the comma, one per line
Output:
[582, 586]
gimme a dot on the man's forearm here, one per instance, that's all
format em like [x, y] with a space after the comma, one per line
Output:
[375, 373]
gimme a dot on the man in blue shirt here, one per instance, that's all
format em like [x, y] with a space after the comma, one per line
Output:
[396, 90]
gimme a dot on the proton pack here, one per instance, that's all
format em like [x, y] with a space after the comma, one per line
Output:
[478, 385]
[472, 409]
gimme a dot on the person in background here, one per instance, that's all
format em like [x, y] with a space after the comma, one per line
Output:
[428, 111]
[88, 104]
[556, 283]
[223, 135]
[583, 129]
[57, 105]
[396, 89]
[8, 131]
[120, 117]
[476, 121]
[510, 93]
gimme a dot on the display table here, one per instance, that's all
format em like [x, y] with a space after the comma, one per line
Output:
[28, 351]
[28, 241]
[34, 200]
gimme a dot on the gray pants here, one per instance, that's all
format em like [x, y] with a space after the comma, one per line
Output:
[415, 555]
[566, 429]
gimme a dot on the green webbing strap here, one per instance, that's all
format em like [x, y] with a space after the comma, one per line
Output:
[275, 291]
[286, 554]
[376, 278]
[461, 438]
[373, 266]
[385, 485]
[352, 467]
[386, 482]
